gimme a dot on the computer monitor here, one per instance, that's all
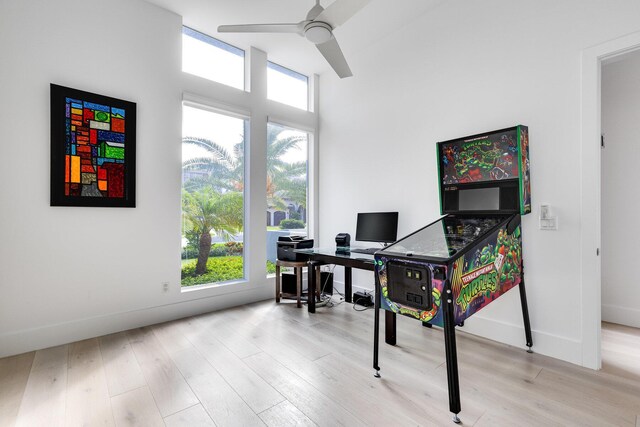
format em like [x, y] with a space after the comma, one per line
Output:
[377, 227]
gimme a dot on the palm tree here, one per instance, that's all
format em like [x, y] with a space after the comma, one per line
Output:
[220, 169]
[224, 171]
[284, 180]
[207, 210]
[288, 182]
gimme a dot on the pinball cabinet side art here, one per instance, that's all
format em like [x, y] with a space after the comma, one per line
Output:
[450, 269]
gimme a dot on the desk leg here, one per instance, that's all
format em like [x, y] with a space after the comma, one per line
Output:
[311, 279]
[376, 328]
[348, 292]
[277, 283]
[389, 327]
[451, 355]
[298, 285]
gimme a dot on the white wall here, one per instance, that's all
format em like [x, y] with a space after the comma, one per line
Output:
[620, 201]
[465, 68]
[68, 273]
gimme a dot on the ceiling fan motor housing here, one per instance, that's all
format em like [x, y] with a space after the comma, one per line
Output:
[318, 32]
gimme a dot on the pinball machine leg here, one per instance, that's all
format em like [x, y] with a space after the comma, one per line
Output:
[376, 327]
[452, 356]
[525, 314]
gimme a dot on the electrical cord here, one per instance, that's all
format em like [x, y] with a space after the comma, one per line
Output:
[365, 308]
[327, 300]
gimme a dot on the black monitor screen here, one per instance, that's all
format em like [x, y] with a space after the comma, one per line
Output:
[377, 227]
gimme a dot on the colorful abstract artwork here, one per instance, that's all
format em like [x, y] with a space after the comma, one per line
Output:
[92, 149]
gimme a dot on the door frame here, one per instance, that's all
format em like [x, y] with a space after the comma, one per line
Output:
[590, 179]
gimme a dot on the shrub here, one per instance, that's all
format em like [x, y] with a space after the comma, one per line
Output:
[271, 268]
[234, 248]
[290, 224]
[217, 250]
[294, 215]
[219, 269]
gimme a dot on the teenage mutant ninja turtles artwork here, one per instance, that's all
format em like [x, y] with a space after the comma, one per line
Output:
[486, 273]
[486, 158]
[433, 316]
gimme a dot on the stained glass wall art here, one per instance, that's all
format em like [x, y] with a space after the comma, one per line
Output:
[93, 141]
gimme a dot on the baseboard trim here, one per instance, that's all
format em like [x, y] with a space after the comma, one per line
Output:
[62, 333]
[621, 315]
[558, 347]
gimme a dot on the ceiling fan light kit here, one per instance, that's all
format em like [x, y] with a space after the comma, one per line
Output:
[318, 32]
[317, 28]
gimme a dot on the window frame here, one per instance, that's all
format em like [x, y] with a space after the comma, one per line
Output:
[308, 174]
[194, 102]
[252, 103]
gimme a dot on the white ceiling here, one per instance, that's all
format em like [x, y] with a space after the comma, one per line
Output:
[377, 19]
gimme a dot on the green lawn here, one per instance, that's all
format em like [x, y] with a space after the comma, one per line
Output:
[219, 269]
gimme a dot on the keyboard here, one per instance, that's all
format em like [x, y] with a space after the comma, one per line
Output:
[368, 251]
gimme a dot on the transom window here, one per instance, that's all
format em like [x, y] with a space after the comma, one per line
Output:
[212, 59]
[287, 86]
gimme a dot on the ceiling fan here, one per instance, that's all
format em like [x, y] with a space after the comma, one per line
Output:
[317, 27]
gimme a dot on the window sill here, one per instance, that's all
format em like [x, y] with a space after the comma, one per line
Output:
[219, 285]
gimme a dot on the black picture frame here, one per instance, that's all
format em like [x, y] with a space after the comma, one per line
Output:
[102, 140]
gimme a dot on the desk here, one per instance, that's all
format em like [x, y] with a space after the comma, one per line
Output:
[349, 260]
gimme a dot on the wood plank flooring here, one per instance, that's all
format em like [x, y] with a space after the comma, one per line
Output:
[276, 365]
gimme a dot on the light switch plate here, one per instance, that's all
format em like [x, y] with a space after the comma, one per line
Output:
[549, 223]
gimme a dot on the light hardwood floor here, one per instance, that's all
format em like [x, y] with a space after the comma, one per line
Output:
[276, 365]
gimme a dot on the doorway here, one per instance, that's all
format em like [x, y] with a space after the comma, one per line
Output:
[620, 203]
[620, 123]
[593, 59]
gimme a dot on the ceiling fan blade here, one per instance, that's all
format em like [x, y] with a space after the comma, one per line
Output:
[332, 53]
[262, 28]
[339, 12]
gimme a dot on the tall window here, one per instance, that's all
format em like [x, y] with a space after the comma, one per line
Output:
[287, 86]
[287, 184]
[212, 196]
[215, 243]
[212, 59]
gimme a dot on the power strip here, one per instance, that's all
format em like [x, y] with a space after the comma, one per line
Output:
[360, 298]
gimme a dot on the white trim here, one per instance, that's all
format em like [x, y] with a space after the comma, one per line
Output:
[208, 104]
[232, 283]
[300, 118]
[556, 346]
[590, 227]
[290, 124]
[90, 327]
[621, 315]
[313, 210]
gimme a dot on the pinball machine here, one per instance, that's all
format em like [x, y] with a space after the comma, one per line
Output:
[450, 269]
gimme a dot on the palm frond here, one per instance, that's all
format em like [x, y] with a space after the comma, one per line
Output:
[216, 150]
